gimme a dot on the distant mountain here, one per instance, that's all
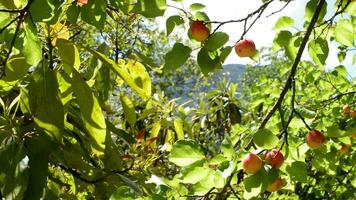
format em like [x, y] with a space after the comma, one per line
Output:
[232, 72]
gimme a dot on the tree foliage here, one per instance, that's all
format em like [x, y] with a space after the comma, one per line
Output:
[87, 107]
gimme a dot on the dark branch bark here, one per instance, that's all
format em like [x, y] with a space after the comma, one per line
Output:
[288, 84]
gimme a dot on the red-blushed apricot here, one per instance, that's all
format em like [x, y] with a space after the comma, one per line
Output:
[199, 31]
[346, 109]
[245, 48]
[344, 149]
[274, 158]
[353, 114]
[252, 163]
[82, 2]
[276, 185]
[314, 139]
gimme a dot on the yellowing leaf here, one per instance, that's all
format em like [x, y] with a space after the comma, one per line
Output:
[59, 30]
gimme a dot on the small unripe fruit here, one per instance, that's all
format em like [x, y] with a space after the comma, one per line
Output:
[353, 136]
[314, 139]
[344, 149]
[82, 2]
[199, 31]
[245, 48]
[274, 158]
[251, 163]
[276, 185]
[353, 114]
[346, 109]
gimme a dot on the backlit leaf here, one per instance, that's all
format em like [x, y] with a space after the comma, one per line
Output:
[185, 152]
[93, 118]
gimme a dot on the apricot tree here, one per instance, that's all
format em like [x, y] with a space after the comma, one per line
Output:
[81, 118]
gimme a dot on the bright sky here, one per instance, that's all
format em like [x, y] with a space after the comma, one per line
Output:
[261, 32]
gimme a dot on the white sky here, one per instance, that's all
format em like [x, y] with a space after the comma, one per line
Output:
[261, 32]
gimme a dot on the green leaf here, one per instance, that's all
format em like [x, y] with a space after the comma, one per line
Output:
[293, 47]
[185, 152]
[351, 8]
[281, 40]
[32, 49]
[298, 171]
[150, 8]
[227, 148]
[16, 69]
[334, 131]
[69, 55]
[310, 9]
[178, 127]
[202, 16]
[65, 88]
[212, 180]
[94, 13]
[123, 193]
[344, 33]
[306, 113]
[341, 56]
[73, 13]
[253, 184]
[138, 74]
[207, 62]
[318, 51]
[42, 10]
[195, 172]
[38, 163]
[283, 23]
[92, 116]
[225, 52]
[265, 139]
[216, 40]
[172, 22]
[129, 109]
[4, 18]
[177, 56]
[119, 132]
[196, 6]
[45, 103]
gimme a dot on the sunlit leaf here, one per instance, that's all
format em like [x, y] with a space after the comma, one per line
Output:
[216, 40]
[69, 55]
[150, 8]
[318, 50]
[172, 22]
[129, 109]
[91, 112]
[45, 103]
[265, 139]
[32, 49]
[344, 33]
[185, 152]
[196, 6]
[177, 56]
[298, 171]
[283, 23]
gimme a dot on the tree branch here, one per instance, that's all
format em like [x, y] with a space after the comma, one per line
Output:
[288, 84]
[290, 79]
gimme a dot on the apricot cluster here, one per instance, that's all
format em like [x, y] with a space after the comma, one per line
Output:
[253, 163]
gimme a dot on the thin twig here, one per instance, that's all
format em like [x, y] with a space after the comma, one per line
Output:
[339, 96]
[7, 25]
[275, 12]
